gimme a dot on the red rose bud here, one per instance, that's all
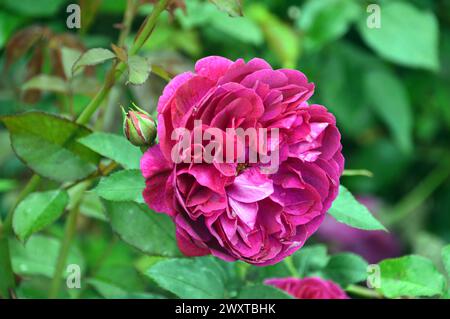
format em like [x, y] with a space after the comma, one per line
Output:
[139, 128]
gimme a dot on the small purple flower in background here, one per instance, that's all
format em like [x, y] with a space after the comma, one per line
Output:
[308, 288]
[373, 245]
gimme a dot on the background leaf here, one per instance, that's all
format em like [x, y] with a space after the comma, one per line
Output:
[46, 82]
[47, 144]
[446, 258]
[346, 209]
[410, 276]
[408, 36]
[69, 56]
[232, 7]
[327, 20]
[310, 259]
[262, 292]
[37, 211]
[138, 69]
[284, 42]
[7, 184]
[92, 57]
[137, 225]
[46, 8]
[126, 185]
[389, 99]
[38, 256]
[114, 147]
[346, 269]
[176, 276]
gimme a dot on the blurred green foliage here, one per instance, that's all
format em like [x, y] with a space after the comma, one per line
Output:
[389, 89]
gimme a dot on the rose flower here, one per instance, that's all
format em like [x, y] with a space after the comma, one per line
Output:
[308, 288]
[242, 208]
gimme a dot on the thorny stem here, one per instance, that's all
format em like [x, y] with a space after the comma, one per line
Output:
[127, 21]
[121, 67]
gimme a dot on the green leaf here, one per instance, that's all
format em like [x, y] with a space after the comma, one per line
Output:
[93, 57]
[205, 15]
[37, 211]
[446, 258]
[257, 274]
[327, 20]
[346, 209]
[408, 36]
[137, 225]
[389, 99]
[106, 289]
[233, 27]
[37, 288]
[337, 69]
[38, 256]
[280, 37]
[46, 82]
[346, 269]
[196, 278]
[446, 294]
[111, 291]
[232, 7]
[138, 69]
[262, 292]
[48, 145]
[427, 245]
[45, 8]
[310, 259]
[126, 185]
[114, 147]
[411, 276]
[92, 206]
[8, 23]
[7, 185]
[69, 56]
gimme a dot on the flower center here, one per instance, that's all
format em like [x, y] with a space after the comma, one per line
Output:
[241, 167]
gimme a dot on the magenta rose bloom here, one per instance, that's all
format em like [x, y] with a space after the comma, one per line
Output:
[240, 210]
[308, 288]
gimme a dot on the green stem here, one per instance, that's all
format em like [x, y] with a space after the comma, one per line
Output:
[290, 266]
[30, 187]
[95, 103]
[70, 228]
[357, 172]
[363, 292]
[419, 194]
[127, 21]
[7, 280]
[121, 67]
[163, 74]
[148, 27]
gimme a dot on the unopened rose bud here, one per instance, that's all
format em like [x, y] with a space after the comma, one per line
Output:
[139, 128]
